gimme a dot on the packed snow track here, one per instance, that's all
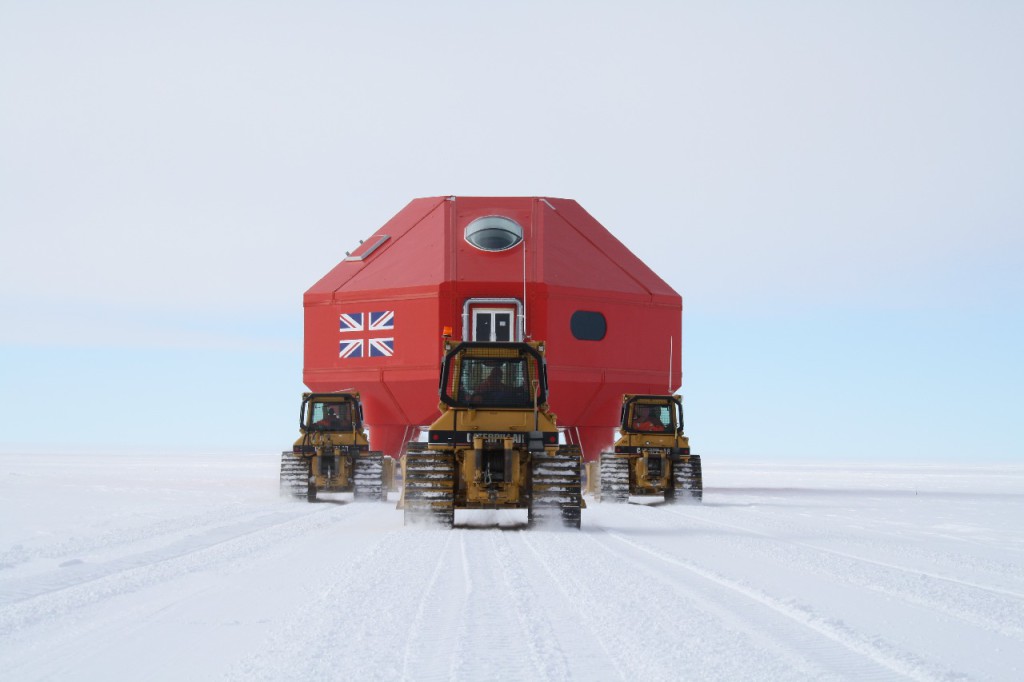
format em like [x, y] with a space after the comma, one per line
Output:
[193, 567]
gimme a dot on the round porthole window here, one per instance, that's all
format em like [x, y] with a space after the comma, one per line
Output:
[494, 233]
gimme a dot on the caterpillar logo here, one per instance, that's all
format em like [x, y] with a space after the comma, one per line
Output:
[516, 437]
[466, 437]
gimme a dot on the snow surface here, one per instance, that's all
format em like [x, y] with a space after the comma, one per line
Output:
[160, 568]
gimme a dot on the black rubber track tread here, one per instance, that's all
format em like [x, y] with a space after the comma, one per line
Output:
[614, 478]
[556, 486]
[294, 475]
[429, 487]
[688, 480]
[368, 477]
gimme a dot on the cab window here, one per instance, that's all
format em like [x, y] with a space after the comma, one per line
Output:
[652, 418]
[330, 416]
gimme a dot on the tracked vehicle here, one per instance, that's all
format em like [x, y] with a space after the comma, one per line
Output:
[332, 454]
[495, 445]
[652, 456]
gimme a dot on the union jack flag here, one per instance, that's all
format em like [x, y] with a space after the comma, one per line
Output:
[351, 322]
[366, 324]
[382, 320]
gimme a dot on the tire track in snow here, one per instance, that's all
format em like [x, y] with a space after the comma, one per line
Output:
[569, 599]
[864, 525]
[318, 638]
[988, 611]
[448, 599]
[462, 652]
[49, 596]
[887, 656]
[912, 571]
[415, 633]
[479, 598]
[127, 538]
[418, 575]
[175, 543]
[548, 659]
[690, 635]
[461, 605]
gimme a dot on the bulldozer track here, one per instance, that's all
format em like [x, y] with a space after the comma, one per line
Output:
[556, 488]
[429, 487]
[294, 475]
[688, 481]
[368, 477]
[614, 478]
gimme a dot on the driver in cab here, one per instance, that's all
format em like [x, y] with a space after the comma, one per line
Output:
[647, 418]
[331, 421]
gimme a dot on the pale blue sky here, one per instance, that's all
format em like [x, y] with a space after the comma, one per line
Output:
[834, 188]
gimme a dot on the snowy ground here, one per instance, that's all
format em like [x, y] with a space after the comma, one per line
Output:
[120, 567]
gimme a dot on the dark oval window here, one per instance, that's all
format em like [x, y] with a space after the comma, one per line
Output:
[587, 325]
[494, 233]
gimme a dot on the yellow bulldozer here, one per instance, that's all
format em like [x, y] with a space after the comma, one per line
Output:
[333, 454]
[495, 445]
[652, 456]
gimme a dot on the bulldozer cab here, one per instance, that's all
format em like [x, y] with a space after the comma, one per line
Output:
[493, 375]
[653, 414]
[330, 412]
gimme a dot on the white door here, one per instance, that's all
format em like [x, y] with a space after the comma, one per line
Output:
[493, 324]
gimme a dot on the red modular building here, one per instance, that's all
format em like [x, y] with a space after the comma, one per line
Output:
[492, 269]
